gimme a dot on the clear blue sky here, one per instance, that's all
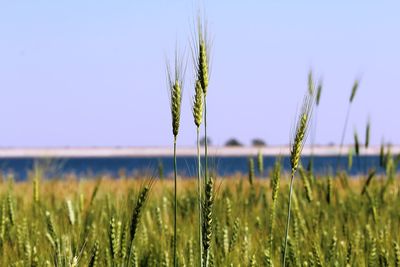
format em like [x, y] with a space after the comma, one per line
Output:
[92, 73]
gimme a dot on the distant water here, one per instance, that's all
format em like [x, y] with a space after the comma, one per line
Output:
[224, 166]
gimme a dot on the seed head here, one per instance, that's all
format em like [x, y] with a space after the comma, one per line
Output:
[203, 63]
[367, 134]
[353, 91]
[319, 91]
[356, 144]
[310, 83]
[175, 84]
[200, 53]
[176, 100]
[276, 179]
[301, 132]
[198, 104]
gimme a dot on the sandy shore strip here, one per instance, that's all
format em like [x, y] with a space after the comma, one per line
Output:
[76, 152]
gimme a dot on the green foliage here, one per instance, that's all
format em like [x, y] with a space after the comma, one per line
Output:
[350, 229]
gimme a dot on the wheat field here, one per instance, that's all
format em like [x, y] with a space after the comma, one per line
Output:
[336, 221]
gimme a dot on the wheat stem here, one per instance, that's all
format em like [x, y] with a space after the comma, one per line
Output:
[295, 152]
[199, 196]
[288, 219]
[353, 93]
[175, 200]
[346, 121]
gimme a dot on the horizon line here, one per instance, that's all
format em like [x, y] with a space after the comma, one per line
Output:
[166, 151]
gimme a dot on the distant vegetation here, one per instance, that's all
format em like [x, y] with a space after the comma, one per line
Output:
[233, 142]
[203, 141]
[257, 142]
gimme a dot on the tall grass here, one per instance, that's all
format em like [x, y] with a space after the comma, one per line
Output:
[298, 141]
[198, 116]
[346, 121]
[311, 89]
[201, 56]
[336, 233]
[175, 84]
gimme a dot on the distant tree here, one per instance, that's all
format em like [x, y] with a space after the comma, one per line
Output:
[203, 141]
[233, 142]
[258, 142]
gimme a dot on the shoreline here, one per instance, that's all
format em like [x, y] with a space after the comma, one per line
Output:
[103, 152]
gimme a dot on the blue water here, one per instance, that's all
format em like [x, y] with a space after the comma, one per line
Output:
[223, 166]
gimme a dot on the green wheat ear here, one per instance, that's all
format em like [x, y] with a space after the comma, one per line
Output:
[94, 258]
[319, 91]
[137, 211]
[301, 132]
[356, 144]
[310, 83]
[176, 100]
[198, 104]
[175, 84]
[207, 219]
[203, 58]
[201, 55]
[367, 133]
[353, 91]
[203, 65]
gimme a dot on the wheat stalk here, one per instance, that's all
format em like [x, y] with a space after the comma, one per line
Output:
[352, 95]
[175, 86]
[198, 115]
[297, 145]
[260, 163]
[314, 129]
[200, 53]
[201, 56]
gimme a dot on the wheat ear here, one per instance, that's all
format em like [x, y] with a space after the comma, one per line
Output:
[207, 219]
